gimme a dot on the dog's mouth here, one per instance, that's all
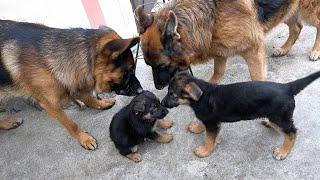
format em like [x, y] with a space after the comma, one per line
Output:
[131, 87]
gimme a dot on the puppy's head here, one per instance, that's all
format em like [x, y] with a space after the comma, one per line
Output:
[162, 45]
[114, 65]
[147, 107]
[182, 89]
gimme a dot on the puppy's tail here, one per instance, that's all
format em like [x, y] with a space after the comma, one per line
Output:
[299, 84]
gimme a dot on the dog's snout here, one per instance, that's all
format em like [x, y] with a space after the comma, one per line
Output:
[165, 111]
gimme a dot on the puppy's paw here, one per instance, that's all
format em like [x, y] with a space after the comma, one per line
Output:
[87, 141]
[164, 138]
[165, 124]
[202, 151]
[280, 153]
[135, 157]
[107, 103]
[315, 55]
[196, 128]
[11, 123]
[280, 52]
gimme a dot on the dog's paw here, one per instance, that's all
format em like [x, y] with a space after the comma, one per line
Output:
[280, 153]
[135, 157]
[280, 52]
[165, 124]
[11, 123]
[202, 151]
[196, 128]
[107, 103]
[165, 138]
[87, 141]
[315, 55]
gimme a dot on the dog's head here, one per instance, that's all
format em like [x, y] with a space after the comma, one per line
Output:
[146, 106]
[182, 89]
[161, 45]
[114, 65]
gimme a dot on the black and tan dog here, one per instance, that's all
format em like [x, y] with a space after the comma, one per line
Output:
[55, 66]
[186, 32]
[214, 104]
[135, 122]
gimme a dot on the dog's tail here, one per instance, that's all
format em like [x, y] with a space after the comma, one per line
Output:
[299, 84]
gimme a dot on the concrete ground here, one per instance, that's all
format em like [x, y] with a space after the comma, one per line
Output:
[42, 149]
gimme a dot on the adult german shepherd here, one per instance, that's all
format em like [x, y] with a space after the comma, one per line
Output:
[55, 66]
[186, 32]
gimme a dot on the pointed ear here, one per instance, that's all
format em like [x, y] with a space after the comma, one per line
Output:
[138, 108]
[117, 46]
[171, 26]
[193, 91]
[145, 20]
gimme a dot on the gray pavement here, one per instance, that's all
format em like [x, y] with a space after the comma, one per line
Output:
[42, 149]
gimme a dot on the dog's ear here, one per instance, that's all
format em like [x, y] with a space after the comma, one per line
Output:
[138, 108]
[115, 47]
[171, 26]
[145, 20]
[193, 91]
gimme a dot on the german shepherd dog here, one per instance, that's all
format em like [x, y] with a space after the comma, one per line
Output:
[214, 104]
[185, 32]
[55, 66]
[135, 122]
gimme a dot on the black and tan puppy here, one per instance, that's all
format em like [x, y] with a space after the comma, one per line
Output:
[214, 104]
[135, 122]
[56, 66]
[187, 32]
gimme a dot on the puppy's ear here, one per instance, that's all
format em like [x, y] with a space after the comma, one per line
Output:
[138, 108]
[145, 20]
[193, 91]
[171, 26]
[115, 47]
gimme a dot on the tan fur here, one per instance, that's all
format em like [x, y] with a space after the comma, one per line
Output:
[210, 143]
[197, 127]
[164, 124]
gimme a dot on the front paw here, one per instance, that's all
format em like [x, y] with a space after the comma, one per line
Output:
[135, 157]
[106, 103]
[280, 153]
[165, 124]
[202, 151]
[11, 123]
[87, 141]
[196, 128]
[315, 55]
[280, 52]
[164, 138]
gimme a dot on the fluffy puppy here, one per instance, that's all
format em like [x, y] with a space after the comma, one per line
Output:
[135, 122]
[214, 104]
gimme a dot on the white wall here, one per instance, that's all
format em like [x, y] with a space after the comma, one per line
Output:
[70, 13]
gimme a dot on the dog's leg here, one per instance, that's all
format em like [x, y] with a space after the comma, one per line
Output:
[11, 123]
[164, 124]
[55, 111]
[295, 27]
[282, 152]
[210, 142]
[219, 69]
[286, 126]
[315, 54]
[98, 104]
[197, 127]
[256, 60]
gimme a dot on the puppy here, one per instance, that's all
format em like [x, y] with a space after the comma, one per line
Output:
[56, 66]
[135, 122]
[214, 104]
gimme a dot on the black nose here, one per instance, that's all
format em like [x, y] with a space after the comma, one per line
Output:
[165, 111]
